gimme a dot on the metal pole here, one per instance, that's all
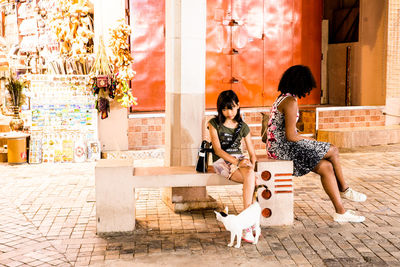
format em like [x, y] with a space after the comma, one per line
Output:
[348, 89]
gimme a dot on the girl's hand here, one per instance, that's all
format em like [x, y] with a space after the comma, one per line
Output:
[250, 150]
[245, 163]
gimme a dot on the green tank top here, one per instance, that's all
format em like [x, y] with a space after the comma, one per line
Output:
[225, 136]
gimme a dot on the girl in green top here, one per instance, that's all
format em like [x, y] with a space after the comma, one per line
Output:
[228, 158]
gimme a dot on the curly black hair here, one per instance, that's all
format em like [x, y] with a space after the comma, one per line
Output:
[227, 99]
[297, 80]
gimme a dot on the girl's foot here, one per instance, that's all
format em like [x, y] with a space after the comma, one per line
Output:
[352, 195]
[248, 235]
[348, 216]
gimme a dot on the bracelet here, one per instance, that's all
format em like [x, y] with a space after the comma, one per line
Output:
[239, 160]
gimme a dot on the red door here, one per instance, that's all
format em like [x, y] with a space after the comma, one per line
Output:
[280, 43]
[218, 49]
[234, 50]
[147, 18]
[310, 39]
[249, 44]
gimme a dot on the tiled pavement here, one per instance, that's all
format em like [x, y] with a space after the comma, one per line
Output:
[47, 217]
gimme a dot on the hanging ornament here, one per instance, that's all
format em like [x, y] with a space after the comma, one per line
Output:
[122, 60]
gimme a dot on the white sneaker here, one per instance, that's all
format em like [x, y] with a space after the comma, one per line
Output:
[352, 195]
[348, 216]
[248, 235]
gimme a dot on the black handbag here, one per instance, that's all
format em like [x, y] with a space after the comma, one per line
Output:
[206, 148]
[202, 160]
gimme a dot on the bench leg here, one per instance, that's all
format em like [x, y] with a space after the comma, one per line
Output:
[115, 206]
[277, 204]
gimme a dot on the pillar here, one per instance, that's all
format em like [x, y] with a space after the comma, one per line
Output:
[113, 131]
[393, 64]
[185, 59]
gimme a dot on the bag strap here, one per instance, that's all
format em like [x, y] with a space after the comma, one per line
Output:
[234, 137]
[280, 99]
[206, 146]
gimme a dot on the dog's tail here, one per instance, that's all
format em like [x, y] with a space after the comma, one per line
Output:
[255, 196]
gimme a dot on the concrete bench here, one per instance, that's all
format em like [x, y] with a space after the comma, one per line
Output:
[360, 136]
[116, 180]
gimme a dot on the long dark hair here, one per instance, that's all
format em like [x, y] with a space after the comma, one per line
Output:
[297, 80]
[227, 99]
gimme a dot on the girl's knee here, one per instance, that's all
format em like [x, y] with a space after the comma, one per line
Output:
[246, 169]
[334, 151]
[324, 166]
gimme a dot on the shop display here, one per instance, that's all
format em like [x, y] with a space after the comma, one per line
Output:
[35, 149]
[72, 25]
[32, 27]
[53, 52]
[93, 150]
[63, 118]
[79, 151]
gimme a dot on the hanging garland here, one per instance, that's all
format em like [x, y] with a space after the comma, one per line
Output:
[103, 80]
[110, 80]
[122, 60]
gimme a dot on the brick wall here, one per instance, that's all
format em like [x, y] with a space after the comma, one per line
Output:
[254, 120]
[349, 117]
[147, 131]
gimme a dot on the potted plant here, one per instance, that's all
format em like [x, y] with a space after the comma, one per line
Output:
[16, 100]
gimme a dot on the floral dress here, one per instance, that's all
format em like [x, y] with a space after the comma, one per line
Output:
[305, 154]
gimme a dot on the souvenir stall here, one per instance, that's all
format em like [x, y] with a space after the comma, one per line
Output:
[65, 85]
[62, 117]
[52, 59]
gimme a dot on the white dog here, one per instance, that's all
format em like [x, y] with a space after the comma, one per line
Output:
[250, 217]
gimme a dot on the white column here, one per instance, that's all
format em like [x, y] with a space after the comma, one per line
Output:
[185, 79]
[113, 131]
[185, 64]
[393, 64]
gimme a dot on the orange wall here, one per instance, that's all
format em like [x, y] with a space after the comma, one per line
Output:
[271, 35]
[311, 27]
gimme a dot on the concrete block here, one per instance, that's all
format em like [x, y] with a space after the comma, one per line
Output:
[361, 136]
[377, 137]
[115, 196]
[394, 136]
[276, 203]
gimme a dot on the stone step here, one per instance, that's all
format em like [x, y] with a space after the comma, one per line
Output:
[134, 154]
[361, 136]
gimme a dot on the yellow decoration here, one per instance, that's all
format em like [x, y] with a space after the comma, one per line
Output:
[122, 61]
[71, 24]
